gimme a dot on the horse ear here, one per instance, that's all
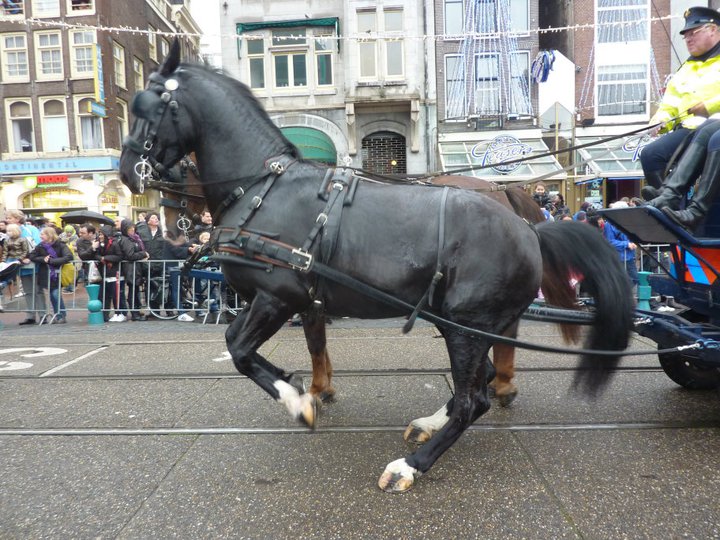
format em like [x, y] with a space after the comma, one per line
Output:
[172, 60]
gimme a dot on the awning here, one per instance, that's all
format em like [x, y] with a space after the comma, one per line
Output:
[492, 149]
[613, 160]
[312, 143]
[252, 26]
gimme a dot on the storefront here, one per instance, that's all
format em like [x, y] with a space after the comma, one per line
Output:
[485, 154]
[52, 187]
[609, 169]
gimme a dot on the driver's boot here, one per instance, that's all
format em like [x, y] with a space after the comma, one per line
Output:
[703, 197]
[654, 180]
[681, 178]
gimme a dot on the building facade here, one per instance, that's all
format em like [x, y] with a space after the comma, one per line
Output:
[349, 82]
[68, 73]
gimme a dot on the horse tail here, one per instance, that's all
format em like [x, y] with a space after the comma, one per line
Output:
[573, 249]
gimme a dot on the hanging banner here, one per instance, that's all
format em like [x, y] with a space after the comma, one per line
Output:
[98, 75]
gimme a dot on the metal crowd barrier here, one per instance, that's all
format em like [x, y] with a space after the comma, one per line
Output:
[160, 291]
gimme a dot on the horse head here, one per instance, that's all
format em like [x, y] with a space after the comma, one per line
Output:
[159, 136]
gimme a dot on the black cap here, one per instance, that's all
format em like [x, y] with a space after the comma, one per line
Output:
[698, 16]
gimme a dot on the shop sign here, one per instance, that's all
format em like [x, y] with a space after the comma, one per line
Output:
[111, 198]
[635, 144]
[73, 164]
[501, 149]
[32, 182]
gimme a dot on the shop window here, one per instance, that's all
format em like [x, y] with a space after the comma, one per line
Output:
[55, 126]
[82, 45]
[53, 198]
[12, 7]
[21, 128]
[91, 132]
[14, 58]
[48, 55]
[119, 64]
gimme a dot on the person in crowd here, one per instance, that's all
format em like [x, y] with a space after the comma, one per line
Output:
[133, 251]
[16, 249]
[205, 225]
[177, 248]
[625, 248]
[70, 237]
[692, 95]
[561, 209]
[151, 234]
[85, 250]
[540, 195]
[583, 208]
[34, 298]
[109, 254]
[207, 292]
[50, 255]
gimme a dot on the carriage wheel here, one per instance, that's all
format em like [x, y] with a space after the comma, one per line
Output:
[683, 369]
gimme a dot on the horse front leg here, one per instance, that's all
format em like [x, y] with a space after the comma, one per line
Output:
[471, 369]
[315, 337]
[244, 337]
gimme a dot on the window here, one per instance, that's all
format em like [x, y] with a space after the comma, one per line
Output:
[622, 90]
[80, 7]
[519, 15]
[14, 58]
[49, 55]
[82, 51]
[91, 134]
[486, 17]
[454, 87]
[290, 67]
[487, 84]
[119, 64]
[623, 21]
[12, 7]
[122, 118]
[138, 74]
[520, 102]
[46, 8]
[55, 125]
[21, 132]
[164, 48]
[381, 58]
[454, 18]
[152, 43]
[256, 60]
[324, 44]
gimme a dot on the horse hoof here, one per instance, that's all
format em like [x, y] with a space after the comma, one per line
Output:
[296, 381]
[417, 435]
[506, 399]
[327, 396]
[309, 411]
[398, 477]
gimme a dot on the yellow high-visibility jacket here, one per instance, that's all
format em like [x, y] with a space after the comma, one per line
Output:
[695, 82]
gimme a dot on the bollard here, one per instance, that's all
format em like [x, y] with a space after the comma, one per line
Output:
[94, 305]
[644, 291]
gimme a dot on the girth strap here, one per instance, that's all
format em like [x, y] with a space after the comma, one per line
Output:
[427, 298]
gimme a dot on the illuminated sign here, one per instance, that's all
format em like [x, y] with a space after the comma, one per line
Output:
[53, 180]
[501, 149]
[98, 76]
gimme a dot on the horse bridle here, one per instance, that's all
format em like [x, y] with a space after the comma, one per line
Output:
[149, 167]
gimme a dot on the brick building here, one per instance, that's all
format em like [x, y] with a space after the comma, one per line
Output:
[67, 77]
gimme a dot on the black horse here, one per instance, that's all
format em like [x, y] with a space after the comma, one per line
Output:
[457, 254]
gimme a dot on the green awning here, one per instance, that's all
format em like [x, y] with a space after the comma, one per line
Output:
[326, 21]
[312, 143]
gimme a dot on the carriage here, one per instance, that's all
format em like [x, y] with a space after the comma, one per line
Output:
[689, 284]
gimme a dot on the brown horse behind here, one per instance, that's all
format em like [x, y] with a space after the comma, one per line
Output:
[521, 203]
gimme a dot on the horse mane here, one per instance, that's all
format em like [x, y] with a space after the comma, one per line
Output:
[203, 70]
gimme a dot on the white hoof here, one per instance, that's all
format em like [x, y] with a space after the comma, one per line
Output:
[398, 477]
[302, 407]
[421, 430]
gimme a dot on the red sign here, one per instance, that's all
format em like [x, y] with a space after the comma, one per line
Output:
[53, 180]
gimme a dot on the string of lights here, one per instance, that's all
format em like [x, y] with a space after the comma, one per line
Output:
[51, 23]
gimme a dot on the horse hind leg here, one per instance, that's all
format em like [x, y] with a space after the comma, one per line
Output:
[504, 361]
[471, 370]
[315, 337]
[246, 334]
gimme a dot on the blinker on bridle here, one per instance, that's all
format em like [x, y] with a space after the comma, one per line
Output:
[151, 107]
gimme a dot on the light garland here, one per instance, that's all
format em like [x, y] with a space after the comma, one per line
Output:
[355, 37]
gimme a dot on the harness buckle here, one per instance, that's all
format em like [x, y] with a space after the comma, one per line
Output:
[339, 186]
[256, 201]
[322, 217]
[277, 168]
[301, 260]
